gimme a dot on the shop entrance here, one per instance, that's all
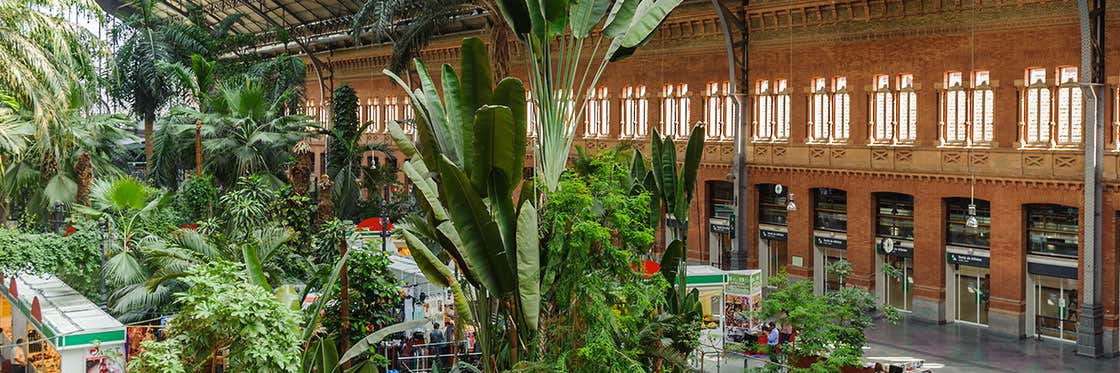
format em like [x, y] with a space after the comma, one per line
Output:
[832, 280]
[898, 273]
[776, 258]
[1055, 307]
[971, 294]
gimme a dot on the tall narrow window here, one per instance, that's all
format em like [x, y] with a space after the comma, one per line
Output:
[841, 109]
[598, 113]
[373, 115]
[983, 109]
[1036, 116]
[819, 112]
[764, 111]
[883, 112]
[635, 111]
[907, 109]
[683, 111]
[669, 110]
[1069, 107]
[532, 112]
[955, 110]
[714, 110]
[730, 113]
[781, 109]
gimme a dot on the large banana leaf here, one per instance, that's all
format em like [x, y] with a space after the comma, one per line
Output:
[417, 172]
[647, 16]
[452, 97]
[666, 170]
[253, 266]
[671, 260]
[510, 93]
[321, 356]
[476, 80]
[516, 14]
[618, 21]
[529, 265]
[403, 142]
[692, 155]
[480, 238]
[325, 295]
[438, 273]
[494, 146]
[446, 134]
[585, 14]
[376, 337]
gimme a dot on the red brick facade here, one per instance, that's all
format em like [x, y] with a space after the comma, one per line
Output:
[799, 41]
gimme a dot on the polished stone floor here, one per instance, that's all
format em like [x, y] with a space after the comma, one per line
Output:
[960, 348]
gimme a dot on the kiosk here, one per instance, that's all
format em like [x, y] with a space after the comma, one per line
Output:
[62, 331]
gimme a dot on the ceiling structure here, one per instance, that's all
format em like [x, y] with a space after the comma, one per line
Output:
[311, 25]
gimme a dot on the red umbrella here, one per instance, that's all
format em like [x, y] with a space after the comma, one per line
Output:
[373, 225]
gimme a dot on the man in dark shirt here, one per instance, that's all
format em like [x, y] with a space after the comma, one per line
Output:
[438, 347]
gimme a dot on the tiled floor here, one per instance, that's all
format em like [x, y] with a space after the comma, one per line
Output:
[961, 348]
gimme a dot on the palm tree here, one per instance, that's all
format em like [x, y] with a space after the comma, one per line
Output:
[44, 55]
[411, 24]
[199, 80]
[245, 133]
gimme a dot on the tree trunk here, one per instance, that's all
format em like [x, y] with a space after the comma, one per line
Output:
[198, 147]
[325, 209]
[83, 169]
[149, 124]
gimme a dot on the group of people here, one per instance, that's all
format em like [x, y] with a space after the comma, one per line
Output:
[776, 334]
[435, 347]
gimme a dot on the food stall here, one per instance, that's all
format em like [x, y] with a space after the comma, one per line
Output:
[62, 331]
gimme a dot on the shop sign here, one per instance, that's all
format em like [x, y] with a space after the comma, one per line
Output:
[1052, 270]
[772, 235]
[967, 260]
[889, 246]
[834, 243]
[719, 228]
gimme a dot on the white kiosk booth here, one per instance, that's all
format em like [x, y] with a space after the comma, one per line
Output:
[61, 330]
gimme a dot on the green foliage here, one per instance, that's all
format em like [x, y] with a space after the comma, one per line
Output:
[373, 293]
[197, 198]
[74, 259]
[344, 120]
[841, 268]
[248, 205]
[158, 357]
[832, 323]
[223, 311]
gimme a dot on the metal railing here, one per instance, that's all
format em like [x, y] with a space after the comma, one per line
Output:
[427, 356]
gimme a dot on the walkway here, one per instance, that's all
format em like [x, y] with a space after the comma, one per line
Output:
[962, 348]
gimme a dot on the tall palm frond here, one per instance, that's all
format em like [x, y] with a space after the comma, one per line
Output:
[409, 25]
[44, 56]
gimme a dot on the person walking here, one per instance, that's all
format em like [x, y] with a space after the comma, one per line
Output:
[772, 341]
[437, 347]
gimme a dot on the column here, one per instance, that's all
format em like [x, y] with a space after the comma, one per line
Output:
[748, 211]
[800, 226]
[929, 258]
[861, 243]
[1007, 312]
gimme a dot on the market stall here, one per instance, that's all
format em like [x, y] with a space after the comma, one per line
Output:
[58, 329]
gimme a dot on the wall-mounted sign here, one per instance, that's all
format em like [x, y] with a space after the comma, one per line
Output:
[830, 242]
[1051, 270]
[967, 260]
[719, 228]
[772, 235]
[890, 246]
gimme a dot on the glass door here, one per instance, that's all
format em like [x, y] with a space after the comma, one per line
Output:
[899, 279]
[831, 280]
[1056, 307]
[778, 254]
[972, 294]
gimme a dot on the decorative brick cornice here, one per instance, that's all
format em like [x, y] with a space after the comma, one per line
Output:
[1068, 185]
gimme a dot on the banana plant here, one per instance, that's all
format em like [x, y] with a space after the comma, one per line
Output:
[465, 165]
[554, 33]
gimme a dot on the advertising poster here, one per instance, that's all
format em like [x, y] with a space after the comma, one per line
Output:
[742, 296]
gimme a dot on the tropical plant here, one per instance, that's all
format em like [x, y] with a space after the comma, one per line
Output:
[473, 139]
[45, 56]
[246, 133]
[373, 293]
[345, 151]
[74, 258]
[144, 41]
[560, 74]
[128, 207]
[200, 82]
[197, 198]
[223, 311]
